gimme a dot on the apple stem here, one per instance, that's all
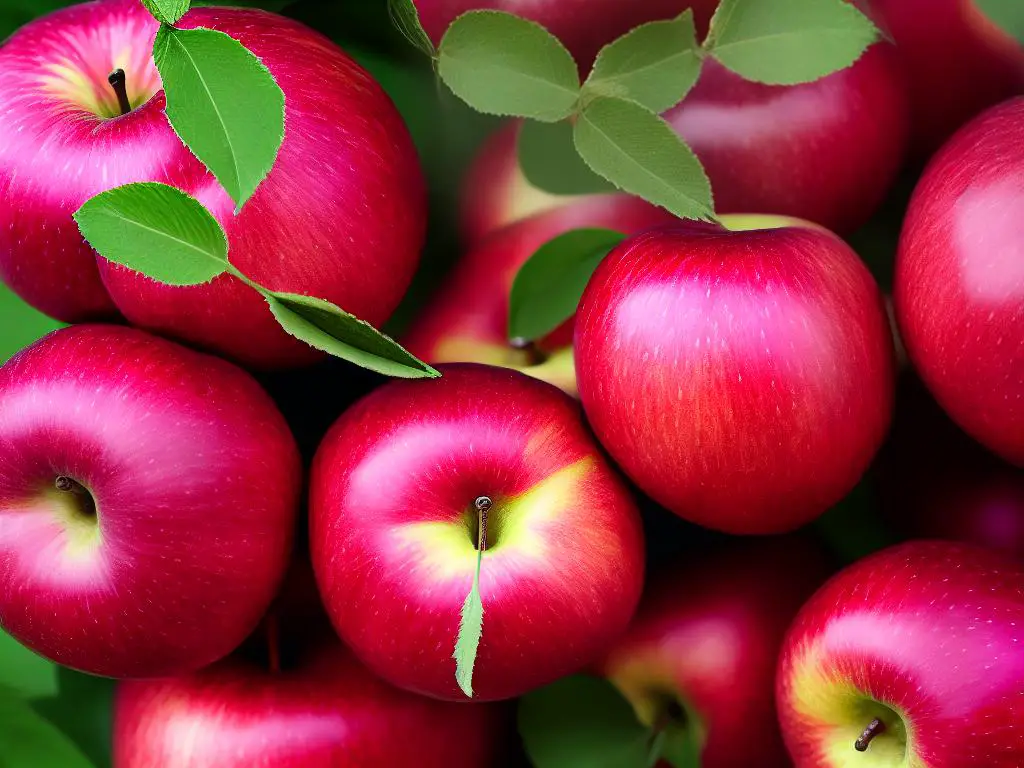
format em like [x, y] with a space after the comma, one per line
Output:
[273, 643]
[86, 504]
[534, 355]
[119, 82]
[874, 728]
[483, 505]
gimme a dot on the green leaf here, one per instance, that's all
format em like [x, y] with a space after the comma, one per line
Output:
[682, 747]
[471, 628]
[1006, 14]
[503, 65]
[21, 323]
[156, 230]
[548, 287]
[22, 670]
[336, 332]
[223, 103]
[406, 19]
[582, 722]
[655, 64]
[639, 152]
[26, 739]
[167, 11]
[550, 162]
[82, 710]
[785, 42]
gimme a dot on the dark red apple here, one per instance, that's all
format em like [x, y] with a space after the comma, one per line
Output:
[148, 499]
[743, 379]
[910, 657]
[959, 285]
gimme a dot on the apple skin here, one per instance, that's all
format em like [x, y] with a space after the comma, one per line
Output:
[345, 225]
[583, 26]
[707, 636]
[957, 64]
[743, 379]
[195, 478]
[959, 283]
[392, 529]
[468, 319]
[925, 636]
[328, 712]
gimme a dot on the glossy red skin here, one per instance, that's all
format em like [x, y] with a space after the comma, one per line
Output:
[344, 225]
[744, 380]
[959, 284]
[583, 26]
[417, 451]
[196, 480]
[721, 621]
[329, 713]
[933, 629]
[475, 299]
[957, 64]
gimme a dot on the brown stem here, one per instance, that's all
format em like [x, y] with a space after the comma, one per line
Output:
[119, 82]
[483, 505]
[874, 728]
[534, 354]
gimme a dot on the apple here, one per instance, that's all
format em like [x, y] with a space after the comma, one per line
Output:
[909, 657]
[148, 499]
[326, 710]
[468, 320]
[341, 216]
[742, 378]
[957, 63]
[840, 141]
[583, 26]
[959, 283]
[701, 654]
[394, 494]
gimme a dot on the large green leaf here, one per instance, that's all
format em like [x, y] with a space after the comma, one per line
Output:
[20, 324]
[29, 741]
[82, 710]
[223, 103]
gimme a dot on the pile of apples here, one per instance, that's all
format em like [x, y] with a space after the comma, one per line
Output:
[287, 591]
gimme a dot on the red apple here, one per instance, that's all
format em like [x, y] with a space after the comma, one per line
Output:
[393, 530]
[743, 379]
[959, 285]
[702, 651]
[956, 60]
[148, 498]
[326, 712]
[911, 656]
[468, 320]
[840, 142]
[341, 216]
[584, 26]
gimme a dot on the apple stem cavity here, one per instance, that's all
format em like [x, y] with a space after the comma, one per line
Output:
[875, 727]
[84, 500]
[119, 82]
[483, 505]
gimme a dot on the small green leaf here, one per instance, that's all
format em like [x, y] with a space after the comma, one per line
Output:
[582, 722]
[223, 103]
[22, 670]
[336, 332]
[548, 287]
[156, 230]
[503, 65]
[406, 19]
[640, 153]
[682, 747]
[785, 42]
[1006, 14]
[167, 11]
[655, 64]
[549, 161]
[471, 628]
[26, 739]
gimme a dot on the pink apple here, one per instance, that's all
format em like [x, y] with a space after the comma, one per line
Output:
[743, 379]
[393, 529]
[959, 285]
[957, 62]
[327, 711]
[701, 653]
[468, 320]
[910, 657]
[341, 216]
[148, 499]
